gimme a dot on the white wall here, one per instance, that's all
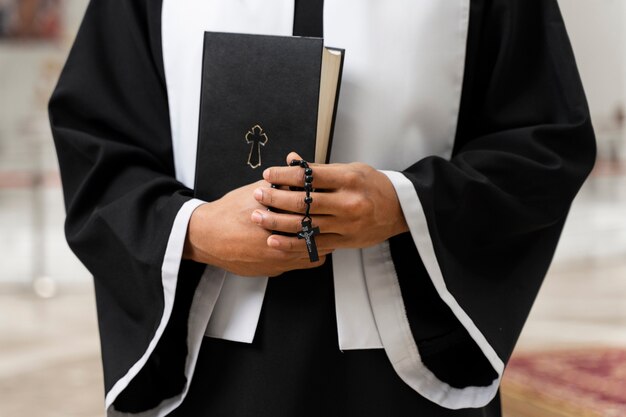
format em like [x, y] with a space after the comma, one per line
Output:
[31, 241]
[597, 29]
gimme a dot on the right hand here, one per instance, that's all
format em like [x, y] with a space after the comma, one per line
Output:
[221, 233]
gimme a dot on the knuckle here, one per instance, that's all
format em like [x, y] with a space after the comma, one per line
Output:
[352, 205]
[354, 178]
[351, 178]
[361, 205]
[299, 202]
[359, 224]
[367, 205]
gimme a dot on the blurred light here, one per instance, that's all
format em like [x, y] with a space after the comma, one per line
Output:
[45, 287]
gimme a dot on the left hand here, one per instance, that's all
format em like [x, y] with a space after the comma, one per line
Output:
[354, 205]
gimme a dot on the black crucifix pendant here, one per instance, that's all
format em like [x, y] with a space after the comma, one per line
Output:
[308, 234]
[257, 138]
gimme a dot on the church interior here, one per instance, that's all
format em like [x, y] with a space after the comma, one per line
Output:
[570, 360]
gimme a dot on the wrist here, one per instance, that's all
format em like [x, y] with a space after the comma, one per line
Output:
[196, 241]
[398, 222]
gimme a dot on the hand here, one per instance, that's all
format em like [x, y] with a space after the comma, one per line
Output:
[357, 208]
[221, 233]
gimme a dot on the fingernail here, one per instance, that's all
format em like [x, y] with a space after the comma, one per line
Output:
[273, 242]
[258, 194]
[266, 174]
[257, 217]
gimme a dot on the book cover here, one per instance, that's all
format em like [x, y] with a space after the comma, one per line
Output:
[259, 101]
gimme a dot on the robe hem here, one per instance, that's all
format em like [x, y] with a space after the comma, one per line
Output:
[393, 322]
[169, 276]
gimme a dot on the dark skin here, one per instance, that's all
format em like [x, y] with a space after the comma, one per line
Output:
[357, 208]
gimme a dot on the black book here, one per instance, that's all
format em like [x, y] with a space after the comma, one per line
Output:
[262, 97]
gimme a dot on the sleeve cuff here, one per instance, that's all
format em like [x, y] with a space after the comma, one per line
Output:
[202, 305]
[392, 321]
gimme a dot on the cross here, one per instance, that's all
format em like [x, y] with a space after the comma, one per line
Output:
[257, 138]
[308, 234]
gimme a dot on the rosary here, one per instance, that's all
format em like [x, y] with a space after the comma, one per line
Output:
[308, 232]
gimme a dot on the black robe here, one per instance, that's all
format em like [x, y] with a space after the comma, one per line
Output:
[524, 145]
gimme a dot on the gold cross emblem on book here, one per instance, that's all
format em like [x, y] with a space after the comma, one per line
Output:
[257, 138]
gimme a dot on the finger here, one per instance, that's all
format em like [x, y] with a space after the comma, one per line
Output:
[280, 222]
[282, 257]
[293, 201]
[289, 223]
[305, 257]
[326, 177]
[324, 242]
[305, 263]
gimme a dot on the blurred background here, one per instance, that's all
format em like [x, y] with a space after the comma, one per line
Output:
[49, 348]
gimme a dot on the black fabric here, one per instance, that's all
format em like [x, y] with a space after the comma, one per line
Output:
[163, 375]
[294, 367]
[445, 347]
[523, 147]
[109, 118]
[308, 18]
[495, 211]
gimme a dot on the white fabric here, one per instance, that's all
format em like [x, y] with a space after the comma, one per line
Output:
[238, 308]
[183, 25]
[356, 327]
[399, 102]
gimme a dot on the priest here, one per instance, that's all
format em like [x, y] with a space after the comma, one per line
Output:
[462, 136]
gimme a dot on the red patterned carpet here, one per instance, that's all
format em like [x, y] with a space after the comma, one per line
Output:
[566, 383]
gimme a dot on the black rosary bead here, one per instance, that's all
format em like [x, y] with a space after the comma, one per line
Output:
[308, 171]
[308, 178]
[308, 199]
[300, 162]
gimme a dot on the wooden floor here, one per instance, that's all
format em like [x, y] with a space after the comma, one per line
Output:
[50, 361]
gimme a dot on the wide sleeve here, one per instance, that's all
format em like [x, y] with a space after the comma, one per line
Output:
[485, 223]
[127, 214]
